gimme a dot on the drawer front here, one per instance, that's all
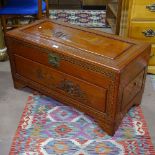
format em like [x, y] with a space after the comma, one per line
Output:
[143, 31]
[131, 90]
[62, 83]
[143, 9]
[152, 56]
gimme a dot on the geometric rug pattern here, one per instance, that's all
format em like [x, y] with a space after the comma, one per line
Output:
[85, 18]
[48, 127]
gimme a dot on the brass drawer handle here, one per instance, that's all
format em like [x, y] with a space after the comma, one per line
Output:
[53, 59]
[151, 7]
[149, 33]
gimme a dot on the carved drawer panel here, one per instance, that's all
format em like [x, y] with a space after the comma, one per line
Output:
[131, 90]
[143, 30]
[65, 84]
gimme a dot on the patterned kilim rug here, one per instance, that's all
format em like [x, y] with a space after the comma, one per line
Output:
[85, 18]
[48, 127]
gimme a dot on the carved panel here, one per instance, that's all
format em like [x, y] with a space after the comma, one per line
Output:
[72, 89]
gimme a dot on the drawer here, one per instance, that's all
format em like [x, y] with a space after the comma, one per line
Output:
[77, 89]
[152, 56]
[143, 30]
[143, 9]
[131, 90]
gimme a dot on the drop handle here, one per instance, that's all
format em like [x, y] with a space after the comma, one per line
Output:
[151, 7]
[149, 33]
[54, 59]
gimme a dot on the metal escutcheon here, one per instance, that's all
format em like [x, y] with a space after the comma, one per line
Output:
[53, 59]
[149, 33]
[151, 7]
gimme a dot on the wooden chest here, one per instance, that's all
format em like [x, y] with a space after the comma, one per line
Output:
[97, 73]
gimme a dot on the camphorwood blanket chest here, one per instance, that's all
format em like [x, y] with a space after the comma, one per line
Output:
[100, 74]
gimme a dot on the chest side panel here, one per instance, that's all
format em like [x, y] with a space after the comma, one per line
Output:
[132, 81]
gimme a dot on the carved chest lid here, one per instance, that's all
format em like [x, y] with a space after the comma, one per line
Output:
[96, 46]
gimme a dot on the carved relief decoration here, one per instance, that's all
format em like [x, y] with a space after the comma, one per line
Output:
[72, 89]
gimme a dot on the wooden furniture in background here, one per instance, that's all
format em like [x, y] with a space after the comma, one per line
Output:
[138, 22]
[100, 74]
[93, 2]
[113, 14]
[76, 3]
[67, 4]
[15, 9]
